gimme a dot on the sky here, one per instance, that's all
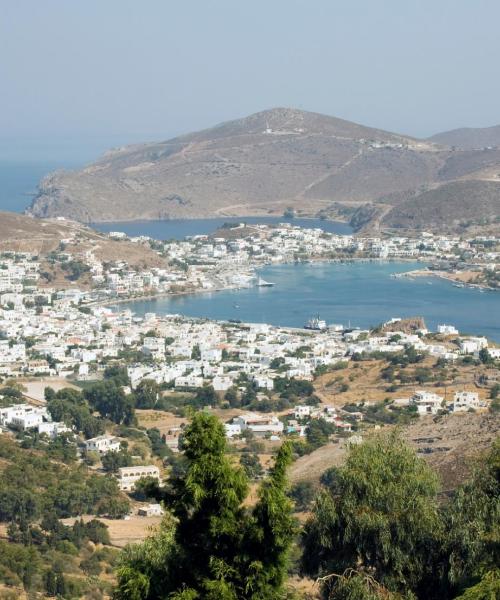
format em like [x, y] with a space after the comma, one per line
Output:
[81, 76]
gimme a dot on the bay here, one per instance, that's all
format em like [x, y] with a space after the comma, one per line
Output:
[178, 229]
[362, 294]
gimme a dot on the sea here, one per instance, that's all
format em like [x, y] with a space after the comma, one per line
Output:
[356, 294]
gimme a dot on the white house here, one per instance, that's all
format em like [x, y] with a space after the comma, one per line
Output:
[259, 424]
[128, 476]
[151, 510]
[427, 403]
[103, 444]
[232, 429]
[472, 345]
[53, 428]
[447, 329]
[301, 411]
[463, 401]
[221, 384]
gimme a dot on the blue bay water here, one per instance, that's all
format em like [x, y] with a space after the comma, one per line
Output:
[363, 294]
[178, 229]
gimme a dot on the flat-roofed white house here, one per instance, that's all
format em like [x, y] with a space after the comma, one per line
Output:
[427, 403]
[232, 429]
[128, 476]
[301, 411]
[260, 424]
[103, 444]
[151, 510]
[447, 329]
[464, 401]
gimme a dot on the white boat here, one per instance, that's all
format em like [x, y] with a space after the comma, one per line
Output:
[263, 283]
[316, 324]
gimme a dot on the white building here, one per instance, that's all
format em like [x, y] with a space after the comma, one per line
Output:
[301, 411]
[427, 403]
[128, 476]
[463, 401]
[447, 330]
[151, 510]
[103, 444]
[232, 429]
[259, 424]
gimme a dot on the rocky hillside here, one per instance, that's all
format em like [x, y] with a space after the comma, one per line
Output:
[21, 233]
[469, 137]
[265, 164]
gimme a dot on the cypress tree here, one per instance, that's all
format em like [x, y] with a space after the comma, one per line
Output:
[210, 546]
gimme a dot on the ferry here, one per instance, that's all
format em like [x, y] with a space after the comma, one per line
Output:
[316, 324]
[263, 283]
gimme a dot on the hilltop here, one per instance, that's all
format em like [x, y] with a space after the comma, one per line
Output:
[268, 163]
[469, 138]
[22, 233]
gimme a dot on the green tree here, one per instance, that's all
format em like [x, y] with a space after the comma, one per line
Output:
[379, 515]
[471, 520]
[147, 394]
[485, 357]
[111, 402]
[251, 464]
[115, 459]
[211, 547]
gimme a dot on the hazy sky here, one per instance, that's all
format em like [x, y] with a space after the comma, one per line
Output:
[100, 71]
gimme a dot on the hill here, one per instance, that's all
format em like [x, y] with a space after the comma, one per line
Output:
[469, 137]
[23, 233]
[263, 164]
[454, 206]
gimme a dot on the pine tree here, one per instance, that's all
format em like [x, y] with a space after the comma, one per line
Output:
[211, 547]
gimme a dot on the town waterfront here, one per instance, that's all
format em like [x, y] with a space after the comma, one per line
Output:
[360, 293]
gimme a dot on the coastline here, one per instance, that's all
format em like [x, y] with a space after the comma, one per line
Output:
[447, 277]
[216, 218]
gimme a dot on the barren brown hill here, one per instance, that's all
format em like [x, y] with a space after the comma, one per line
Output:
[469, 137]
[22, 233]
[453, 206]
[262, 165]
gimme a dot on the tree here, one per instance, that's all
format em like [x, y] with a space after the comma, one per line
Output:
[485, 357]
[115, 459]
[251, 465]
[111, 402]
[303, 494]
[379, 515]
[206, 396]
[211, 546]
[472, 543]
[118, 374]
[147, 394]
[318, 433]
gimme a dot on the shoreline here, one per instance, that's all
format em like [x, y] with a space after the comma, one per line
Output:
[446, 277]
[215, 218]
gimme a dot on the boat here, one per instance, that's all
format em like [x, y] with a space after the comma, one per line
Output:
[316, 324]
[263, 283]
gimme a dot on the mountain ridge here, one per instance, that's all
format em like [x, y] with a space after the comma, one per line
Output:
[277, 160]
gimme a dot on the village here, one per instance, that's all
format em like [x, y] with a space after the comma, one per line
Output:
[264, 382]
[229, 259]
